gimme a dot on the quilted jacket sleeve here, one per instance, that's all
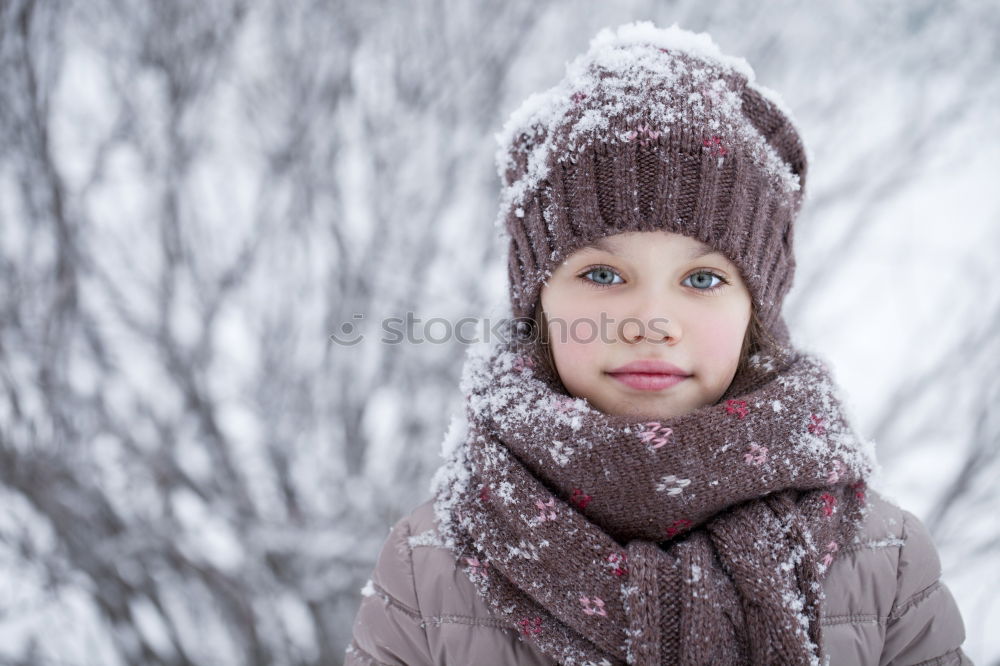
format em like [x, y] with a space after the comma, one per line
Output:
[388, 628]
[924, 626]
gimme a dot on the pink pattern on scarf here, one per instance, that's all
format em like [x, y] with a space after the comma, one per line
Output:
[596, 609]
[816, 426]
[829, 504]
[756, 454]
[546, 515]
[737, 407]
[656, 433]
[531, 625]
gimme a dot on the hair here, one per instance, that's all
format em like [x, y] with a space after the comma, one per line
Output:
[756, 339]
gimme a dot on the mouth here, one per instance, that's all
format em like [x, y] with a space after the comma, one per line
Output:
[644, 381]
[649, 375]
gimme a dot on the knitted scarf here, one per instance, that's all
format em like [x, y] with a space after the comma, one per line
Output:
[699, 539]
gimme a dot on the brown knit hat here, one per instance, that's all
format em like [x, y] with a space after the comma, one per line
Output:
[653, 129]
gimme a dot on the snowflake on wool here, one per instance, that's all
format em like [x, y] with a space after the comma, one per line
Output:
[560, 453]
[672, 485]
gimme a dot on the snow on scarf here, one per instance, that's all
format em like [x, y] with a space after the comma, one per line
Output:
[699, 539]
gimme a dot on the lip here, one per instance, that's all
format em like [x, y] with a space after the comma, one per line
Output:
[650, 367]
[649, 375]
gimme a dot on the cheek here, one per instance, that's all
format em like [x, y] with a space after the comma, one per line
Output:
[576, 361]
[575, 337]
[720, 334]
[570, 357]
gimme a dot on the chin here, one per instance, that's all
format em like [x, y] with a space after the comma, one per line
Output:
[639, 413]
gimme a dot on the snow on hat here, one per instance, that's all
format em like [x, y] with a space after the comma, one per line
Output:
[653, 129]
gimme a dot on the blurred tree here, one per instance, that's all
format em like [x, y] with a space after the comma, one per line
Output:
[195, 196]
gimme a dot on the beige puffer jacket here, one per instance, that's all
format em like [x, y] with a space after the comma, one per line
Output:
[885, 602]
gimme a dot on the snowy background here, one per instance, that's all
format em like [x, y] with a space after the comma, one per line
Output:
[195, 195]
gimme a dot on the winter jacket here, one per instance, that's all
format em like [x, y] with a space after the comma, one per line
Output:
[885, 602]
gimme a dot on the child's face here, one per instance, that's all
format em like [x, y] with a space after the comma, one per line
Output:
[659, 301]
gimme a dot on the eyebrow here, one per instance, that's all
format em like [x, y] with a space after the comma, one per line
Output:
[604, 243]
[701, 251]
[608, 245]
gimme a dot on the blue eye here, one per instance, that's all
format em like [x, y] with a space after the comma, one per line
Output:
[604, 276]
[701, 283]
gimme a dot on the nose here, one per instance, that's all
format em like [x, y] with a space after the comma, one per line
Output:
[651, 322]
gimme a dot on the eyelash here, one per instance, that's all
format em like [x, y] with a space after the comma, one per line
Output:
[596, 285]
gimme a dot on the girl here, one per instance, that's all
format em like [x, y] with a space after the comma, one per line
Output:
[649, 472]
